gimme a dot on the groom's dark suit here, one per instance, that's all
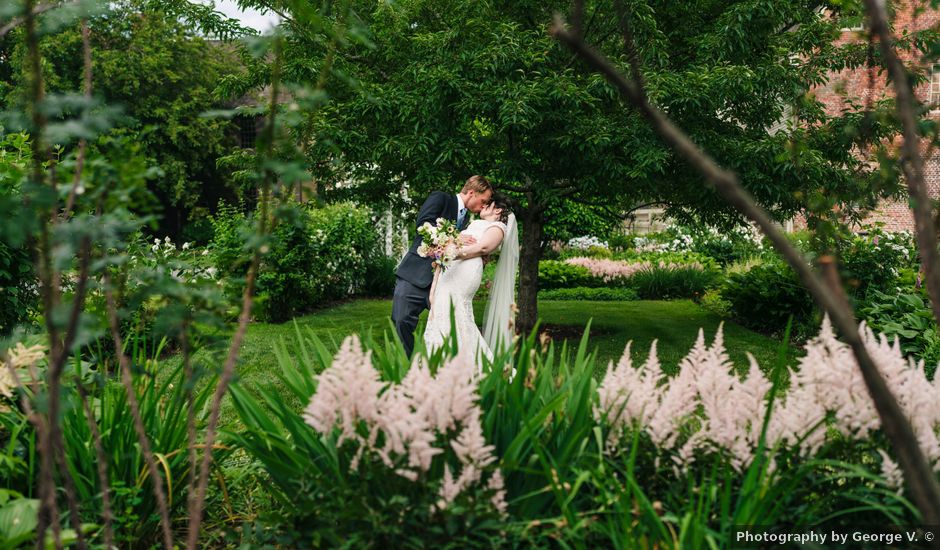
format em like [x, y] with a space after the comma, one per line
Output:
[414, 275]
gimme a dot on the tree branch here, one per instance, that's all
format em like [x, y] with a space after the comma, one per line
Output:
[914, 172]
[17, 21]
[918, 474]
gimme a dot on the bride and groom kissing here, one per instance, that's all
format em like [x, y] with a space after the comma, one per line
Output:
[449, 293]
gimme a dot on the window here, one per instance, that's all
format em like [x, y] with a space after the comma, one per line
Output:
[247, 131]
[933, 94]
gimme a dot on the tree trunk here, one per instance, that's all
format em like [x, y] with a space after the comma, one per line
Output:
[531, 227]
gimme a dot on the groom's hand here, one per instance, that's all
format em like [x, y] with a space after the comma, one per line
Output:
[467, 239]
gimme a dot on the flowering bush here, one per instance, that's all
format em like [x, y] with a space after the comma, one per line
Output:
[706, 408]
[610, 271]
[874, 261]
[584, 243]
[724, 246]
[388, 451]
[373, 460]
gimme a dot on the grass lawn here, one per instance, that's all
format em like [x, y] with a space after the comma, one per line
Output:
[674, 323]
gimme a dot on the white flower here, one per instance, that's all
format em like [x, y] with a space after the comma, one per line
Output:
[186, 246]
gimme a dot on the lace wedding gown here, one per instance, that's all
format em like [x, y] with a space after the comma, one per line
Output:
[456, 287]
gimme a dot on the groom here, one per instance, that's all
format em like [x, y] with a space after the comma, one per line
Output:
[414, 275]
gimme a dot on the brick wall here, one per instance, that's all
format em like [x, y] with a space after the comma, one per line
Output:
[863, 85]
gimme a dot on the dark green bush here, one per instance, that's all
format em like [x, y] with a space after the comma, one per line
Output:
[18, 288]
[556, 274]
[668, 283]
[764, 297]
[379, 277]
[585, 293]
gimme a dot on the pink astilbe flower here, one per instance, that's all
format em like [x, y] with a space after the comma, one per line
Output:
[706, 407]
[495, 484]
[629, 396]
[678, 399]
[891, 472]
[729, 411]
[611, 270]
[407, 424]
[347, 391]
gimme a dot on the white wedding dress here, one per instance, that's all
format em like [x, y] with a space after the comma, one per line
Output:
[455, 288]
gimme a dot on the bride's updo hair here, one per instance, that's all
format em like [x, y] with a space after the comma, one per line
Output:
[502, 203]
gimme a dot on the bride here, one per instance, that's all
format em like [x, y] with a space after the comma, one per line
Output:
[453, 289]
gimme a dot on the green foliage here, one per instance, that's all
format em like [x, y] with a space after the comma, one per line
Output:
[152, 60]
[163, 404]
[906, 315]
[668, 257]
[604, 294]
[317, 255]
[714, 302]
[379, 276]
[764, 297]
[18, 296]
[873, 262]
[667, 283]
[564, 484]
[557, 274]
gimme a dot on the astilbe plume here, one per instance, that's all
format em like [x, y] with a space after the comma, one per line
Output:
[405, 426]
[706, 407]
[611, 270]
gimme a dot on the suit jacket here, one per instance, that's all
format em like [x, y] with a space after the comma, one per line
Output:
[413, 268]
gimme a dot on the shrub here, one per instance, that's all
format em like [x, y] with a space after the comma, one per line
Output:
[667, 282]
[379, 276]
[764, 297]
[622, 241]
[316, 256]
[18, 287]
[724, 246]
[603, 294]
[874, 262]
[713, 301]
[668, 257]
[556, 274]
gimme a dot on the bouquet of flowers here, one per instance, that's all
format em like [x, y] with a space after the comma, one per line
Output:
[439, 242]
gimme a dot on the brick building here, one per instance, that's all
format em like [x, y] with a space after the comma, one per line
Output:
[862, 85]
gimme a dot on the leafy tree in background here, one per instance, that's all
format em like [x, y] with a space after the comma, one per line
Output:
[440, 90]
[152, 58]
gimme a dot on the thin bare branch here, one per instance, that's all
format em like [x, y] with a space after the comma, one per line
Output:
[917, 188]
[102, 467]
[82, 144]
[228, 369]
[917, 472]
[156, 480]
[17, 21]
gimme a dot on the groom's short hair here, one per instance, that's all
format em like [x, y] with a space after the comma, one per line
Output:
[479, 184]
